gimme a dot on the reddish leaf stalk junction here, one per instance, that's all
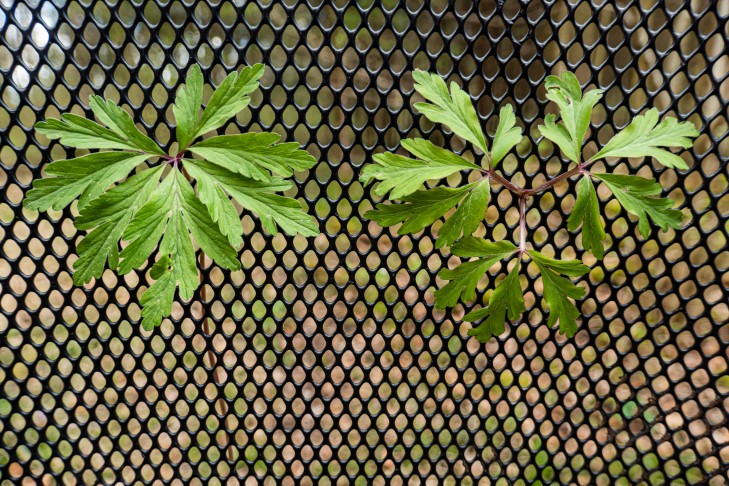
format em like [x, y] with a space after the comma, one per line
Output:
[174, 160]
[523, 194]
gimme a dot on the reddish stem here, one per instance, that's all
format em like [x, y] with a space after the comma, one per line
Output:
[556, 180]
[522, 224]
[523, 194]
[501, 180]
[520, 191]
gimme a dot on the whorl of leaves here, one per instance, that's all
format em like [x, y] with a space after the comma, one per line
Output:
[403, 178]
[134, 200]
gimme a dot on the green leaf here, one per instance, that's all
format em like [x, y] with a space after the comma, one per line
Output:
[108, 216]
[157, 299]
[221, 209]
[166, 215]
[636, 195]
[203, 229]
[642, 138]
[570, 268]
[122, 125]
[147, 226]
[250, 154]
[467, 217]
[507, 296]
[87, 176]
[182, 272]
[403, 176]
[176, 241]
[559, 290]
[229, 98]
[558, 134]
[465, 277]
[419, 210]
[455, 110]
[575, 109]
[76, 131]
[179, 213]
[169, 218]
[478, 247]
[257, 196]
[160, 267]
[187, 107]
[507, 136]
[586, 212]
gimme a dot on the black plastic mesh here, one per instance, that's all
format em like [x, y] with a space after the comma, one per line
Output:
[323, 360]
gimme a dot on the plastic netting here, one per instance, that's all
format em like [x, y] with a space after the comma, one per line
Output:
[323, 360]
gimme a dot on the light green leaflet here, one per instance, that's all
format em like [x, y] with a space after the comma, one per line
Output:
[257, 196]
[254, 155]
[575, 111]
[85, 178]
[645, 137]
[558, 290]
[637, 195]
[421, 208]
[402, 176]
[462, 209]
[587, 213]
[467, 217]
[157, 211]
[507, 135]
[507, 297]
[465, 277]
[453, 109]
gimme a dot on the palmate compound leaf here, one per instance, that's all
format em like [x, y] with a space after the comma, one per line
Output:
[84, 177]
[645, 137]
[637, 195]
[144, 212]
[106, 217]
[558, 290]
[586, 212]
[575, 110]
[420, 209]
[174, 214]
[507, 136]
[454, 110]
[402, 176]
[257, 196]
[465, 277]
[506, 298]
[255, 154]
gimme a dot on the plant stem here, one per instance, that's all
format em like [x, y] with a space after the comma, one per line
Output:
[519, 191]
[556, 180]
[501, 180]
[524, 194]
[522, 224]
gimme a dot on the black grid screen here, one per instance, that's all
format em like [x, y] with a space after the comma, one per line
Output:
[323, 360]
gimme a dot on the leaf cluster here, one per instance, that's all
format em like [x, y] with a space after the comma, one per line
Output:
[135, 200]
[463, 208]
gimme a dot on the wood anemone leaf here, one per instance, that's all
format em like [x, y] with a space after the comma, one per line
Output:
[132, 195]
[460, 211]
